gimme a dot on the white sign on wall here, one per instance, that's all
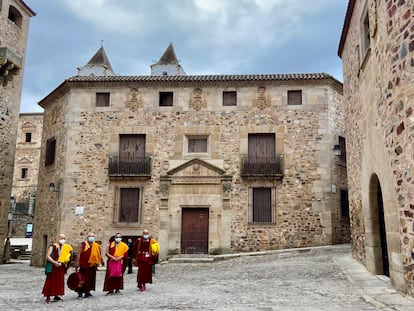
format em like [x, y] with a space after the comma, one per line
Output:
[79, 210]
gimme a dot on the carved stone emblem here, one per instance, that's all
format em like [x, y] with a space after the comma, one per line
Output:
[262, 98]
[135, 100]
[197, 100]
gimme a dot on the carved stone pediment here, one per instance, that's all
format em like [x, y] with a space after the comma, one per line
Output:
[196, 171]
[24, 161]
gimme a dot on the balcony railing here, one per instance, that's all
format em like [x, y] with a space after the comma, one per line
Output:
[123, 167]
[271, 167]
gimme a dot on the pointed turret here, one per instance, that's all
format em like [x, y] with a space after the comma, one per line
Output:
[98, 65]
[168, 64]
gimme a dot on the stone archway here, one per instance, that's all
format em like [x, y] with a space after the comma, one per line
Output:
[378, 232]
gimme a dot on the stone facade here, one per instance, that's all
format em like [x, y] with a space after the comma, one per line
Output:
[304, 198]
[26, 171]
[377, 50]
[14, 24]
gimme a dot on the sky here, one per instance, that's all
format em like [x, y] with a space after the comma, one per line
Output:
[209, 37]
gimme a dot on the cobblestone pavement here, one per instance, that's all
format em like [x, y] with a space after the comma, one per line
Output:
[322, 278]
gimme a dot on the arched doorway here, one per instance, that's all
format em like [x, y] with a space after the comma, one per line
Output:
[379, 231]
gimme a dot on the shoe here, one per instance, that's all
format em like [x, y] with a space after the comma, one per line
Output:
[117, 291]
[47, 300]
[88, 295]
[111, 292]
[79, 295]
[57, 298]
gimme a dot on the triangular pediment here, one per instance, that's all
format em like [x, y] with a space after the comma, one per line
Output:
[24, 161]
[196, 167]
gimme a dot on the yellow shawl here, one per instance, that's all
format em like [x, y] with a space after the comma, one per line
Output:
[120, 250]
[65, 253]
[95, 256]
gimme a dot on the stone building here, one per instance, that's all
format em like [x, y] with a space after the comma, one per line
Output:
[377, 51]
[208, 163]
[26, 171]
[14, 24]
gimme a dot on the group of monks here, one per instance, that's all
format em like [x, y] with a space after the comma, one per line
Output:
[59, 255]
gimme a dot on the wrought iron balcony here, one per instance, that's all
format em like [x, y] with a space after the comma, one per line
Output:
[129, 168]
[270, 167]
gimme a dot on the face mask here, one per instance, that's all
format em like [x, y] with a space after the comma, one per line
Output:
[118, 240]
[146, 236]
[91, 239]
[62, 241]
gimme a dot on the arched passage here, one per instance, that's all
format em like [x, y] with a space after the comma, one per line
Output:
[379, 232]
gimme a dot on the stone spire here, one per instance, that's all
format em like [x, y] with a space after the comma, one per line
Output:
[98, 65]
[168, 64]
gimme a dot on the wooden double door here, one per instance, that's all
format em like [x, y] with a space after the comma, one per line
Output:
[194, 230]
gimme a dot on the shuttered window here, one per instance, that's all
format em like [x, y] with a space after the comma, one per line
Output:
[166, 99]
[129, 205]
[344, 204]
[342, 147]
[294, 97]
[262, 205]
[261, 147]
[102, 99]
[50, 151]
[229, 98]
[132, 147]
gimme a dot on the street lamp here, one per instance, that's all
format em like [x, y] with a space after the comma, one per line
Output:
[336, 150]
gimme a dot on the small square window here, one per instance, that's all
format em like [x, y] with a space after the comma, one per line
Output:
[197, 145]
[28, 137]
[24, 173]
[294, 97]
[102, 99]
[166, 99]
[229, 98]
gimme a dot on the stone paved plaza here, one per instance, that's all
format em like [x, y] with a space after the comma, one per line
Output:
[321, 278]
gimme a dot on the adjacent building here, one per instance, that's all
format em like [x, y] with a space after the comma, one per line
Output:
[26, 171]
[210, 164]
[14, 24]
[377, 51]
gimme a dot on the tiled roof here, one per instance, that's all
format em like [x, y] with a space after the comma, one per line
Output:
[204, 78]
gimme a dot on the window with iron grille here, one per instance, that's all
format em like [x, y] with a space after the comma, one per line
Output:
[102, 99]
[50, 151]
[28, 137]
[262, 205]
[344, 204]
[24, 173]
[229, 98]
[166, 99]
[129, 205]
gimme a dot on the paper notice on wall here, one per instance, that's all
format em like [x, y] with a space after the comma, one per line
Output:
[79, 210]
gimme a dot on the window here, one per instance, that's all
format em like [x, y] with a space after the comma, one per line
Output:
[365, 33]
[197, 145]
[102, 99]
[294, 97]
[129, 205]
[50, 151]
[15, 16]
[166, 99]
[28, 137]
[262, 205]
[344, 204]
[24, 173]
[132, 147]
[261, 147]
[229, 98]
[342, 147]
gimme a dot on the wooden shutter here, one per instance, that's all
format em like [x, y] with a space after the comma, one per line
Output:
[262, 205]
[261, 147]
[102, 99]
[50, 151]
[166, 99]
[229, 98]
[197, 145]
[129, 205]
[294, 97]
[132, 147]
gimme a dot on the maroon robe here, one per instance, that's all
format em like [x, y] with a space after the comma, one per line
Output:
[55, 280]
[114, 283]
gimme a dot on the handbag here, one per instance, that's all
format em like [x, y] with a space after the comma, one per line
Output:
[115, 268]
[48, 264]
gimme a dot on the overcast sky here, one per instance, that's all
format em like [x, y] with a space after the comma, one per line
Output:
[209, 37]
